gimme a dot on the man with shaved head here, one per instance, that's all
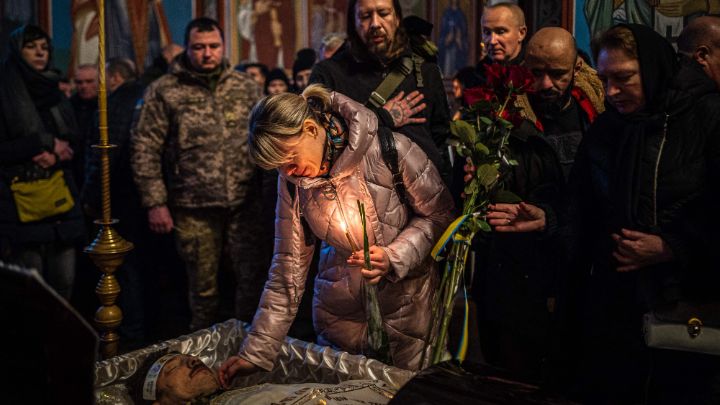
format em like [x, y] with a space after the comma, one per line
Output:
[700, 41]
[516, 329]
[568, 95]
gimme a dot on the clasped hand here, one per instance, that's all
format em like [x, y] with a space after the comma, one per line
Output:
[634, 250]
[379, 262]
[62, 152]
[522, 217]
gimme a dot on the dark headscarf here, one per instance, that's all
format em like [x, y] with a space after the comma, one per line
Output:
[636, 134]
[30, 91]
[658, 65]
[41, 85]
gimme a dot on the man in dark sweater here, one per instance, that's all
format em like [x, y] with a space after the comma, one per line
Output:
[124, 92]
[85, 105]
[378, 43]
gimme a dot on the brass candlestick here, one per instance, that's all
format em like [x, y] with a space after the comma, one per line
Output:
[108, 249]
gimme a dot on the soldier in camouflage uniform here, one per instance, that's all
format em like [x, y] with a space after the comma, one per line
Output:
[192, 168]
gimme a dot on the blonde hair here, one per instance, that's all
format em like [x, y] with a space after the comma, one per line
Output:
[276, 124]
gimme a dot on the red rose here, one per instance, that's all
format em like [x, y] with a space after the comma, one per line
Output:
[475, 94]
[496, 75]
[520, 78]
[513, 117]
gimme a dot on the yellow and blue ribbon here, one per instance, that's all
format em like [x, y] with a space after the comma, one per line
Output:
[463, 344]
[447, 236]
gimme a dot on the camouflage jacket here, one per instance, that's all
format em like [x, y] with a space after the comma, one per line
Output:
[189, 148]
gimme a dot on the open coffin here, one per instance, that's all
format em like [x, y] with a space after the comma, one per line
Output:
[298, 362]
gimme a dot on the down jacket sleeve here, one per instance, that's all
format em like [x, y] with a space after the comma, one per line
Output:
[285, 286]
[432, 208]
[147, 143]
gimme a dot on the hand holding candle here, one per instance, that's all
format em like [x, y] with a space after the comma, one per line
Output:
[376, 336]
[379, 263]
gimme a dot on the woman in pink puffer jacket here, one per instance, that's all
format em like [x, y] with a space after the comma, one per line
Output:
[329, 157]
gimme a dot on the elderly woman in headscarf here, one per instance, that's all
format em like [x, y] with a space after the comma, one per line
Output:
[36, 127]
[326, 147]
[642, 213]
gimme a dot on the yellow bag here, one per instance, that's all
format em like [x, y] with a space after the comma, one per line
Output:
[38, 199]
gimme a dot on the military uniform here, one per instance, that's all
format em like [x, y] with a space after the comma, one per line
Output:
[190, 153]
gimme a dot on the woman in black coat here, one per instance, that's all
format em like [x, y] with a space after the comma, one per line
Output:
[642, 215]
[37, 127]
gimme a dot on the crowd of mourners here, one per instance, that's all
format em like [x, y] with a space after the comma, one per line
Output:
[247, 169]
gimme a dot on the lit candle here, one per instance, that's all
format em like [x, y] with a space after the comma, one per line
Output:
[345, 228]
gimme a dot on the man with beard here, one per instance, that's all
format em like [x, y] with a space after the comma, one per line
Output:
[567, 94]
[181, 379]
[379, 44]
[524, 328]
[172, 378]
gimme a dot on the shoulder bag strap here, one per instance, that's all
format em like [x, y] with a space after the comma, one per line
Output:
[379, 97]
[390, 156]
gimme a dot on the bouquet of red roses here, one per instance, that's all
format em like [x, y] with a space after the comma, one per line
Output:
[480, 137]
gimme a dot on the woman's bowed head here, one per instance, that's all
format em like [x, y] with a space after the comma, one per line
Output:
[286, 133]
[295, 134]
[326, 149]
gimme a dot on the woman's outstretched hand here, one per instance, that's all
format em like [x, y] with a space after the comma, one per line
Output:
[378, 260]
[233, 366]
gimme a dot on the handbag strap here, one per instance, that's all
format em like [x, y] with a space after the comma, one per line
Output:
[62, 126]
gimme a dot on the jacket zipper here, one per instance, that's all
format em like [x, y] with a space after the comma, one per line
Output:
[657, 169]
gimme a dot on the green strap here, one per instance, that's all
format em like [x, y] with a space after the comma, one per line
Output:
[379, 97]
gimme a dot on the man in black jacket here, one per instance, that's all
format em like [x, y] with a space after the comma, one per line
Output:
[567, 97]
[503, 33]
[378, 43]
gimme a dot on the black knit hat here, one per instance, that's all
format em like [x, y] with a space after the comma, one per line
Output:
[276, 74]
[305, 59]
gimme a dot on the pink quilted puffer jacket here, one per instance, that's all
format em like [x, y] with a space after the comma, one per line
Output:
[407, 233]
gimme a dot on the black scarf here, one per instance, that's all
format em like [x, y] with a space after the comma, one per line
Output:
[632, 134]
[26, 91]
